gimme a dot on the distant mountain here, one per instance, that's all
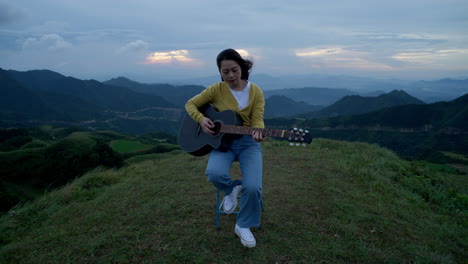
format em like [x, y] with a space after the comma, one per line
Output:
[313, 96]
[440, 90]
[36, 97]
[267, 82]
[356, 104]
[106, 96]
[21, 104]
[177, 95]
[42, 96]
[427, 91]
[449, 116]
[279, 105]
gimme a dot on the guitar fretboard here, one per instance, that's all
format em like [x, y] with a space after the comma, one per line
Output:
[244, 130]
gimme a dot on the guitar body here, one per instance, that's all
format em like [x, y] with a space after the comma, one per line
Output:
[194, 140]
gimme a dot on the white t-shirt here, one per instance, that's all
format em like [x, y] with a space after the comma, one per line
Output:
[242, 97]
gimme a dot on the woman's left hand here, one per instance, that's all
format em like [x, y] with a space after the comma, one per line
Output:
[258, 136]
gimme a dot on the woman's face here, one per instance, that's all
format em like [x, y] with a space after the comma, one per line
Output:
[231, 73]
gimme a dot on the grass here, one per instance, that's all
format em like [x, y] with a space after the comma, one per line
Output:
[125, 146]
[330, 202]
[455, 156]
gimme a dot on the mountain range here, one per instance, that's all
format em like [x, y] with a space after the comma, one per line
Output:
[280, 106]
[42, 96]
[428, 91]
[101, 95]
[314, 98]
[449, 117]
[312, 95]
[356, 104]
[178, 95]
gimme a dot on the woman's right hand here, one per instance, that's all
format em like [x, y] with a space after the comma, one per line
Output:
[206, 124]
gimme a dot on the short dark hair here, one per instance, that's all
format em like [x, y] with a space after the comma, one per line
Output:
[231, 54]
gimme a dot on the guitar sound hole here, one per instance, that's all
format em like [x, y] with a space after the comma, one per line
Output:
[217, 127]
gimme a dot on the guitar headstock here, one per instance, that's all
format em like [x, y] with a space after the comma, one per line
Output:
[299, 136]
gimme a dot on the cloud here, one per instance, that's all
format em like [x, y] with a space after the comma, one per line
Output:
[340, 57]
[447, 58]
[137, 45]
[169, 57]
[244, 53]
[395, 36]
[318, 52]
[357, 63]
[48, 41]
[327, 37]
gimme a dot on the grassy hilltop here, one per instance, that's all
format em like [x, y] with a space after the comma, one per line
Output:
[330, 202]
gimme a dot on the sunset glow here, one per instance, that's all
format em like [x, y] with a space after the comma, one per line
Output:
[427, 40]
[169, 57]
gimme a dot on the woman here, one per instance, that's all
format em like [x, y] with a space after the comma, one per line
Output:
[235, 93]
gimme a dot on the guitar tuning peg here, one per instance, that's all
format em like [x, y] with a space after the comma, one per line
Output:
[303, 144]
[291, 144]
[306, 131]
[297, 144]
[300, 130]
[295, 129]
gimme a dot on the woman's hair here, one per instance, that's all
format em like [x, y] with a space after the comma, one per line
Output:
[230, 54]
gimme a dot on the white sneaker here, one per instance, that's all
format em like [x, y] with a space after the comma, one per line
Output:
[246, 236]
[230, 201]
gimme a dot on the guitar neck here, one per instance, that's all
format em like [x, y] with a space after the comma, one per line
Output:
[244, 130]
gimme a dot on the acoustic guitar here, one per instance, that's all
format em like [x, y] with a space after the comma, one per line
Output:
[194, 140]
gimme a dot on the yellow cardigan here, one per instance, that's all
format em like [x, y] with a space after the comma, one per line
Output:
[219, 95]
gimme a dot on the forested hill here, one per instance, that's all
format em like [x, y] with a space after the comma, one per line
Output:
[31, 106]
[280, 106]
[175, 94]
[38, 97]
[416, 131]
[430, 117]
[356, 104]
[105, 96]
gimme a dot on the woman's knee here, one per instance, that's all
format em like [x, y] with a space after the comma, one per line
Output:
[215, 175]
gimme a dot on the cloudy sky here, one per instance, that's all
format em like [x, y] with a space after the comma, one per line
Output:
[150, 40]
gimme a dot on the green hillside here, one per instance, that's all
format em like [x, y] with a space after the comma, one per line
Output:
[37, 160]
[329, 202]
[128, 145]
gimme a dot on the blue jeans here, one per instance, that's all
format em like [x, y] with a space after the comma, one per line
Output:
[249, 154]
